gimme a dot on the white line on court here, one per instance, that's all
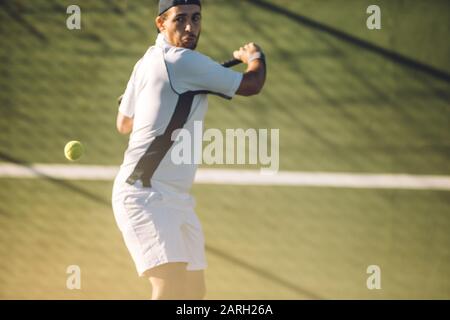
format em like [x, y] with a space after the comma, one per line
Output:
[242, 177]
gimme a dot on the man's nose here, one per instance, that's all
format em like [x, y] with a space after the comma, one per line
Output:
[188, 27]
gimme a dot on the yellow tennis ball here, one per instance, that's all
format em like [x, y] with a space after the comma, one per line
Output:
[73, 150]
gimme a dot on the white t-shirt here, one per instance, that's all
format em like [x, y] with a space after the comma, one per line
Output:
[168, 90]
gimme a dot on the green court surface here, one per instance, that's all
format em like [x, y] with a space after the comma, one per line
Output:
[278, 243]
[340, 107]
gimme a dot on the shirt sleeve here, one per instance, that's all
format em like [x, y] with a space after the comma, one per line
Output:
[127, 105]
[193, 71]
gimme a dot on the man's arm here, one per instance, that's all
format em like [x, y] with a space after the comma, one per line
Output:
[124, 124]
[255, 75]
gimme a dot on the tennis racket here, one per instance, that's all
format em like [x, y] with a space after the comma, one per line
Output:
[231, 63]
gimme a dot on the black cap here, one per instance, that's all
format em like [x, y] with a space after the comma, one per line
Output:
[165, 5]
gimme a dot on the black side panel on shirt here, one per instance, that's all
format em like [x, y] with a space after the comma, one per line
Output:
[151, 159]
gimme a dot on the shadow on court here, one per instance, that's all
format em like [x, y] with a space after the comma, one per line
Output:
[385, 53]
[101, 201]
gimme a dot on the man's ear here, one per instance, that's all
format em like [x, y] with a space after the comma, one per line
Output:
[159, 21]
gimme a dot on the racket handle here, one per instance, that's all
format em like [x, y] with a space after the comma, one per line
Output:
[231, 63]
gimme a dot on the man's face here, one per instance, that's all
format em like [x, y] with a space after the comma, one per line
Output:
[181, 25]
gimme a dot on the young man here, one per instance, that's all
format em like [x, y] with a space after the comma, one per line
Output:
[168, 91]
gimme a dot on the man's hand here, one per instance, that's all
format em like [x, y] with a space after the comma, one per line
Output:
[246, 52]
[255, 75]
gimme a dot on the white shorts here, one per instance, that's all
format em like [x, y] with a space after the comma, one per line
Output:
[159, 228]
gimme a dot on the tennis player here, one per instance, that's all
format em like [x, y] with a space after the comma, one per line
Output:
[168, 90]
